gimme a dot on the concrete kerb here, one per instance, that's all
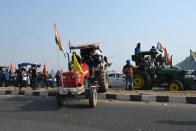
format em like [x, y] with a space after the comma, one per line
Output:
[148, 98]
[121, 97]
[15, 92]
[2, 92]
[177, 99]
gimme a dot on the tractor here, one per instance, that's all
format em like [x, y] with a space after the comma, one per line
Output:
[97, 63]
[146, 76]
[75, 84]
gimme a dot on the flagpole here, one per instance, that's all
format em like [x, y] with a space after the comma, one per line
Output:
[61, 69]
[69, 62]
[55, 29]
[64, 54]
[58, 57]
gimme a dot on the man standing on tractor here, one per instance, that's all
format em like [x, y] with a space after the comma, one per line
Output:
[95, 60]
[128, 71]
[138, 48]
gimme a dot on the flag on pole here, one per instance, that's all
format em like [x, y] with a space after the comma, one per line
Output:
[76, 65]
[58, 39]
[192, 54]
[161, 48]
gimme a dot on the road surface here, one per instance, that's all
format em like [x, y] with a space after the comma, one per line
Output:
[27, 113]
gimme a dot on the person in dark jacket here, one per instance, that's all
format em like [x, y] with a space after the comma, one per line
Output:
[34, 77]
[58, 78]
[19, 77]
[138, 48]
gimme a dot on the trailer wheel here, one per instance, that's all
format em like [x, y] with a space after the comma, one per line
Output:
[60, 100]
[92, 98]
[138, 81]
[175, 85]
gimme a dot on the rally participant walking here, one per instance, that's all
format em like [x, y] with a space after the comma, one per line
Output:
[128, 71]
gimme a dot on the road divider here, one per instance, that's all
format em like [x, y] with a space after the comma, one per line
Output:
[121, 97]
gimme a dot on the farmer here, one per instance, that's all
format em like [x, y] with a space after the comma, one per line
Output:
[138, 49]
[128, 71]
[58, 78]
[34, 77]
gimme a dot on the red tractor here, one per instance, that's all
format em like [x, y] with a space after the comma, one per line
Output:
[84, 85]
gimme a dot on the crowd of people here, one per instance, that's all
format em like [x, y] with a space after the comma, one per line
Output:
[23, 77]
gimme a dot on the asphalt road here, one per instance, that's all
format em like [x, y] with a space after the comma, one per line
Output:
[22, 113]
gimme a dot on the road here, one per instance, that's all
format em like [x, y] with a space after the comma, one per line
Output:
[22, 113]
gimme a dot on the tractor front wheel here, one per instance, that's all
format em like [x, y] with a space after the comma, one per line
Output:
[92, 98]
[103, 81]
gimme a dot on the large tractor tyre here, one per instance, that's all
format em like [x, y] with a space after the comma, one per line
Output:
[92, 98]
[60, 100]
[138, 82]
[175, 85]
[103, 81]
[148, 82]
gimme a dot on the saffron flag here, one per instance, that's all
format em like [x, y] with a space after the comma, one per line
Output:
[76, 65]
[193, 54]
[168, 57]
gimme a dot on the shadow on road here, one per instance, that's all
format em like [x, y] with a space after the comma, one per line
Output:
[20, 103]
[180, 123]
[77, 106]
[33, 103]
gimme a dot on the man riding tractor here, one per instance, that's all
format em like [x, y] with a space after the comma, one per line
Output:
[98, 64]
[85, 76]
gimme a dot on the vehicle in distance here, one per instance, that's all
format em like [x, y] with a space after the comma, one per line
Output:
[116, 79]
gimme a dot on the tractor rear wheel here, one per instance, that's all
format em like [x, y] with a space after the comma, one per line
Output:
[175, 85]
[103, 81]
[138, 81]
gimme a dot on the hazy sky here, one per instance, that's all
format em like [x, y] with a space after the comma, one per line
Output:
[26, 28]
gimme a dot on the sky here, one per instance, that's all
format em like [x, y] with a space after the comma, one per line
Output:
[27, 34]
